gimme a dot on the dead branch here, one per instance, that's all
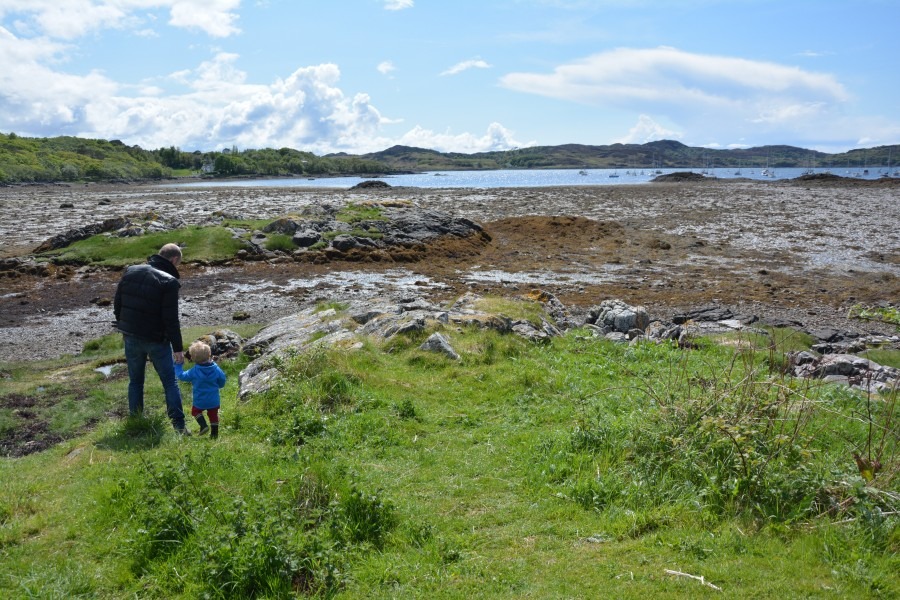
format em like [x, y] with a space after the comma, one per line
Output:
[699, 578]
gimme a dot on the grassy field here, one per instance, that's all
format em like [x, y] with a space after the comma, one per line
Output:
[574, 469]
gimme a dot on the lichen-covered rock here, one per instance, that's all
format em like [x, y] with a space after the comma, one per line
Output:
[615, 315]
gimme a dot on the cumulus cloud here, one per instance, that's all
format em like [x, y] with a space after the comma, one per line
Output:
[397, 4]
[465, 65]
[211, 16]
[306, 110]
[683, 84]
[70, 19]
[648, 130]
[216, 105]
[38, 99]
[386, 67]
[207, 106]
[495, 138]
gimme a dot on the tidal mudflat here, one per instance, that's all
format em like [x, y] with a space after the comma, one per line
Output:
[802, 251]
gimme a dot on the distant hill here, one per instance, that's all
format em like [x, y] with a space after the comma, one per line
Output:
[663, 154]
[24, 160]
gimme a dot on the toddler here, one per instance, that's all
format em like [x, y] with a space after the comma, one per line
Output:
[207, 378]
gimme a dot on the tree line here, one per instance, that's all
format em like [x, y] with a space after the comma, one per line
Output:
[70, 159]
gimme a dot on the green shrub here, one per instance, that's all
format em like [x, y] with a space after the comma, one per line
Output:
[364, 518]
[280, 241]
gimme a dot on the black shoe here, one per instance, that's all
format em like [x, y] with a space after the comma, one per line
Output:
[202, 423]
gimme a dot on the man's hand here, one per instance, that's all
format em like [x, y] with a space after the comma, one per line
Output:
[179, 357]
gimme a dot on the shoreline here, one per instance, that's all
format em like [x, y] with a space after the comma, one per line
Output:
[804, 253]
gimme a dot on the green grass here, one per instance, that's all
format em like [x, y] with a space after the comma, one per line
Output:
[63, 398]
[356, 212]
[280, 241]
[525, 310]
[883, 356]
[578, 468]
[887, 314]
[206, 243]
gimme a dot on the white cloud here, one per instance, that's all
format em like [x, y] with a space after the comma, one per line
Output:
[497, 137]
[667, 80]
[465, 65]
[386, 67]
[36, 98]
[648, 130]
[215, 107]
[397, 4]
[306, 110]
[212, 16]
[69, 19]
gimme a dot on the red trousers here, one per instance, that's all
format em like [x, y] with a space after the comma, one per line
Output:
[212, 413]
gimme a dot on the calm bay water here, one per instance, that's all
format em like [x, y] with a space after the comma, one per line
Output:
[527, 178]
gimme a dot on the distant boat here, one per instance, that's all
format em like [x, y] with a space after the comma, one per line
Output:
[614, 174]
[582, 172]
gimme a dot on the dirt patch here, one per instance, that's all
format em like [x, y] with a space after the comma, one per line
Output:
[30, 436]
[18, 401]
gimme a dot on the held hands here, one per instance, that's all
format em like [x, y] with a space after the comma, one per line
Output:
[179, 357]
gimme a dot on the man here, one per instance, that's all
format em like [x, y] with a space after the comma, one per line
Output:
[146, 310]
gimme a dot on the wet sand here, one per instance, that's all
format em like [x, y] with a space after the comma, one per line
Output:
[802, 251]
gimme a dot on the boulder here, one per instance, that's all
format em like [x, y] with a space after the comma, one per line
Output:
[615, 315]
[371, 184]
[846, 369]
[440, 344]
[306, 238]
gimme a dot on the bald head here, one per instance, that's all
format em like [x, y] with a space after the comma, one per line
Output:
[172, 253]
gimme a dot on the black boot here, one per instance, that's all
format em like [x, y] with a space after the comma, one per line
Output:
[215, 430]
[202, 423]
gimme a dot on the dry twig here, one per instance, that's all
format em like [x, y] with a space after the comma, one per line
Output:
[699, 578]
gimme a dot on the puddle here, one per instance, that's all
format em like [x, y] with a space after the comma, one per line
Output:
[107, 370]
[354, 282]
[544, 277]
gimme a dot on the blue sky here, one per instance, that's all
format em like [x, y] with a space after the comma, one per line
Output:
[454, 75]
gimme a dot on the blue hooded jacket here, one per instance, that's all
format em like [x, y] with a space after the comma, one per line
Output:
[207, 379]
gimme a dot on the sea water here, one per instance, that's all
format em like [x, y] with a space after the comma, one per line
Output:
[528, 178]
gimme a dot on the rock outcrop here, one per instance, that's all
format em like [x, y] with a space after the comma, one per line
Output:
[380, 319]
[612, 319]
[127, 226]
[848, 369]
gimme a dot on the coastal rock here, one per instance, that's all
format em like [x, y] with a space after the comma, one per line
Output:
[378, 319]
[371, 184]
[223, 343]
[306, 238]
[438, 343]
[847, 369]
[81, 233]
[282, 225]
[710, 312]
[615, 315]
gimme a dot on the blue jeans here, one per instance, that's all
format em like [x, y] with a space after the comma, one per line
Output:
[160, 354]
